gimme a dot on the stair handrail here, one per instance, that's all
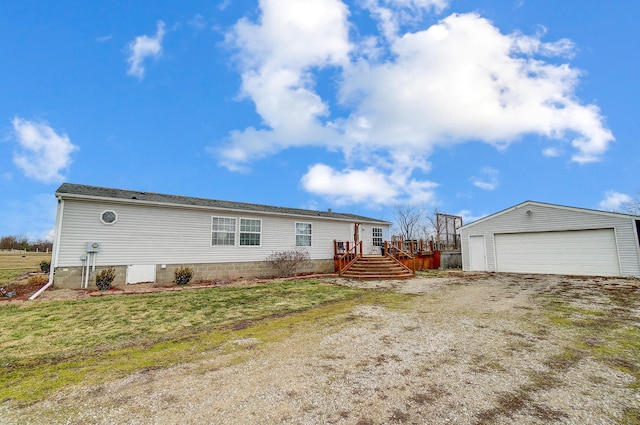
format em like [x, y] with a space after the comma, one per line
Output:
[388, 247]
[349, 261]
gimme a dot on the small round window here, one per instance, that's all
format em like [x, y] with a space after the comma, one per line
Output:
[109, 217]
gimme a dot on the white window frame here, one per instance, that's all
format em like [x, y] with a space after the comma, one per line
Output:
[249, 232]
[305, 235]
[235, 226]
[375, 238]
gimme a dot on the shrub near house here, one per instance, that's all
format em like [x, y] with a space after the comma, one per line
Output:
[105, 278]
[289, 263]
[183, 275]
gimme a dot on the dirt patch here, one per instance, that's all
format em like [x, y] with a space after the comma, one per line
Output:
[20, 290]
[23, 290]
[462, 348]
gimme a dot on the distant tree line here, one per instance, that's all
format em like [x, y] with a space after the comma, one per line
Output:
[23, 243]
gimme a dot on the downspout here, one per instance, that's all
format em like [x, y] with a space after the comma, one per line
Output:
[41, 290]
[54, 254]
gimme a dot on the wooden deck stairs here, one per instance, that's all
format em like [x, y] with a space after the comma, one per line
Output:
[377, 267]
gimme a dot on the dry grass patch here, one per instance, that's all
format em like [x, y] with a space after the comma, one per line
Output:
[16, 263]
[104, 337]
[431, 394]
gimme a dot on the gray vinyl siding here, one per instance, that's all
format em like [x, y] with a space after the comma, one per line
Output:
[152, 234]
[547, 218]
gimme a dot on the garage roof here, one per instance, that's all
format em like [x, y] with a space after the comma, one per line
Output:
[543, 204]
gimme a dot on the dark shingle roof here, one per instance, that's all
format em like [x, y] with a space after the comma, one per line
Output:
[84, 191]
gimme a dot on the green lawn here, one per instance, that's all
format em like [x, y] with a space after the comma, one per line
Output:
[47, 345]
[15, 263]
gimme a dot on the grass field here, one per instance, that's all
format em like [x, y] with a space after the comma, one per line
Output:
[507, 348]
[49, 345]
[16, 263]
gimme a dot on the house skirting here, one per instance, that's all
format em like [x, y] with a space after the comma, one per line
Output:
[450, 260]
[71, 277]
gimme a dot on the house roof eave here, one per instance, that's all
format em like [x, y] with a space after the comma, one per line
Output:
[94, 193]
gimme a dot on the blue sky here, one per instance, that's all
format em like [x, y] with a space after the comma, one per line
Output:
[361, 106]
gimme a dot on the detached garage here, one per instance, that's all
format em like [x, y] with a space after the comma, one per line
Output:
[535, 237]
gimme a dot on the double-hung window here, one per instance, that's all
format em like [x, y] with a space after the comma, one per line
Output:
[223, 230]
[377, 236]
[303, 234]
[250, 231]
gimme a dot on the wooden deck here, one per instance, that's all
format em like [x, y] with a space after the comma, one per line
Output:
[394, 262]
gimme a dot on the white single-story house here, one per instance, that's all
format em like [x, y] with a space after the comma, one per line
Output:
[535, 237]
[146, 236]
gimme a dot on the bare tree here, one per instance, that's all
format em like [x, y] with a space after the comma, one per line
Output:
[417, 223]
[632, 207]
[414, 222]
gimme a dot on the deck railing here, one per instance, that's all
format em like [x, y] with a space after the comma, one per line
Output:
[418, 246]
[414, 255]
[347, 255]
[406, 258]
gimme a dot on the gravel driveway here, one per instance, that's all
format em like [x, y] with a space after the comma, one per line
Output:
[465, 349]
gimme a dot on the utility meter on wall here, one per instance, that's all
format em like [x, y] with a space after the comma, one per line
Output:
[93, 246]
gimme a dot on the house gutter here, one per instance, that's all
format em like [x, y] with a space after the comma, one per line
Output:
[54, 254]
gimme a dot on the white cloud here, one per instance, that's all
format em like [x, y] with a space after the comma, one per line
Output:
[463, 80]
[531, 45]
[406, 93]
[197, 23]
[366, 186]
[43, 153]
[276, 59]
[349, 185]
[393, 14]
[487, 180]
[469, 217]
[144, 47]
[614, 201]
[552, 152]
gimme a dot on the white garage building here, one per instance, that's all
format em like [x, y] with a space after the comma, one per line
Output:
[535, 237]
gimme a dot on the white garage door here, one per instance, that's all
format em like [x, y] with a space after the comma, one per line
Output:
[580, 252]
